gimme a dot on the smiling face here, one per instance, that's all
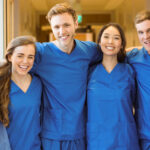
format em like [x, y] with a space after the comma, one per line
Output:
[63, 27]
[22, 59]
[110, 41]
[143, 30]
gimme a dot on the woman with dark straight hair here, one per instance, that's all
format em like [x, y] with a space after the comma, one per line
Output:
[111, 96]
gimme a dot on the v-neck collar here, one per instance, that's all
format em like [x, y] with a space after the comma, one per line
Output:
[16, 88]
[113, 70]
[62, 52]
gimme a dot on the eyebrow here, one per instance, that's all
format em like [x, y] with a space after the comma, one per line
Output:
[143, 31]
[23, 54]
[20, 53]
[113, 35]
[65, 23]
[148, 29]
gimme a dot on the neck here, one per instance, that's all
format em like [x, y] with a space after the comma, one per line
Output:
[22, 81]
[65, 48]
[109, 62]
[19, 78]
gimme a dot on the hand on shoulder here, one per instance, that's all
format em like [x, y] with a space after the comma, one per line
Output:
[131, 48]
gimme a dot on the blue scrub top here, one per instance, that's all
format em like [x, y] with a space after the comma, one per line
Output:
[24, 113]
[4, 142]
[110, 100]
[140, 61]
[64, 77]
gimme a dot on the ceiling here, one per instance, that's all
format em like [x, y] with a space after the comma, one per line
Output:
[84, 6]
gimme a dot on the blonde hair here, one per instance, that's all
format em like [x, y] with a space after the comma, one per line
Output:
[5, 76]
[142, 16]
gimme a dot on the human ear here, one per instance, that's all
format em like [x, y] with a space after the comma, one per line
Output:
[76, 24]
[9, 57]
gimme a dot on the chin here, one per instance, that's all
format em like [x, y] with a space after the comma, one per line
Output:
[23, 73]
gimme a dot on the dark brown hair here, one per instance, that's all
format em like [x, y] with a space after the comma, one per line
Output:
[60, 9]
[5, 76]
[122, 54]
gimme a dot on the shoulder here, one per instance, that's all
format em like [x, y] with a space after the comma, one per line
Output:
[88, 44]
[42, 46]
[94, 76]
[39, 44]
[88, 47]
[41, 49]
[135, 53]
[93, 71]
[128, 69]
[36, 80]
[136, 56]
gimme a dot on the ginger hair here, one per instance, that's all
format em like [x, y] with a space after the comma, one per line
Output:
[60, 9]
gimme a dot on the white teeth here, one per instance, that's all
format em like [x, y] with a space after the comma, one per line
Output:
[109, 47]
[23, 67]
[64, 37]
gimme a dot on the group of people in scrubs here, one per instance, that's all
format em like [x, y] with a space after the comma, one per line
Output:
[76, 95]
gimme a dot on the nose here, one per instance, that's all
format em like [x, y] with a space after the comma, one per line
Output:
[25, 60]
[146, 35]
[61, 30]
[110, 40]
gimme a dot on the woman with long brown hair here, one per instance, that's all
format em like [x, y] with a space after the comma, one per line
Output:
[20, 95]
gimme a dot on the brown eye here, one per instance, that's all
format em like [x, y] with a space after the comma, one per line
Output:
[19, 56]
[30, 57]
[56, 27]
[66, 25]
[106, 36]
[117, 38]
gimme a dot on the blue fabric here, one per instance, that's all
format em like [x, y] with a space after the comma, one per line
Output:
[64, 77]
[78, 144]
[4, 142]
[140, 60]
[110, 100]
[24, 114]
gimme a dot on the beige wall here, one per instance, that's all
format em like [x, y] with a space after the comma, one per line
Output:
[26, 18]
[125, 14]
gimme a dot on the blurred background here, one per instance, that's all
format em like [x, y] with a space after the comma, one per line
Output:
[27, 17]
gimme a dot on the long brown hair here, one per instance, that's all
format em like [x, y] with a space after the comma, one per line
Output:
[5, 76]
